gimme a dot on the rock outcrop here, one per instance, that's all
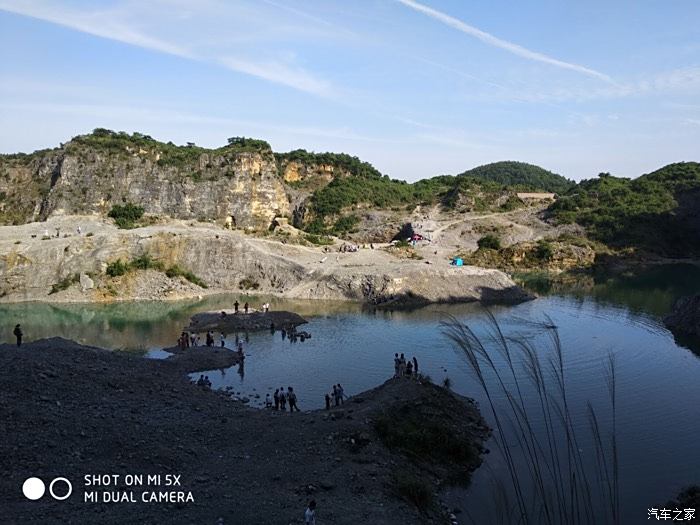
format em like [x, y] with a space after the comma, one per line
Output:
[685, 316]
[87, 177]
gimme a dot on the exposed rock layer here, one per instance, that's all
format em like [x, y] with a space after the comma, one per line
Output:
[226, 261]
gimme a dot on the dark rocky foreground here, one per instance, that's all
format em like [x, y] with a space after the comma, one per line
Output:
[240, 322]
[69, 410]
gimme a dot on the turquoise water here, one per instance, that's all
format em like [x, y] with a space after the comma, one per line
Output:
[658, 379]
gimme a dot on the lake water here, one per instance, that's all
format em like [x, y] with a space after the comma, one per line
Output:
[658, 378]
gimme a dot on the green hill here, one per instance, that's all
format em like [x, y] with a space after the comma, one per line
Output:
[520, 174]
[658, 212]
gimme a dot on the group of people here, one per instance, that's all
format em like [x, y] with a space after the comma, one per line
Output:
[292, 334]
[203, 382]
[236, 305]
[265, 307]
[280, 399]
[210, 341]
[405, 368]
[192, 340]
[337, 395]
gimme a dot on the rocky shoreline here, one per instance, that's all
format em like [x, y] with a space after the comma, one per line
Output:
[74, 410]
[242, 322]
[685, 316]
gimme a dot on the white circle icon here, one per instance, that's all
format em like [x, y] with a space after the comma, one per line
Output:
[33, 488]
[67, 494]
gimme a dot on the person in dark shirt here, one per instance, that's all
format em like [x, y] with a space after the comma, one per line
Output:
[18, 334]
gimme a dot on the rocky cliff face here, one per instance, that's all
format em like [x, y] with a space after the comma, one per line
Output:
[80, 178]
[302, 179]
[318, 174]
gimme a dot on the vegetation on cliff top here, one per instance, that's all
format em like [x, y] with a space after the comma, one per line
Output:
[657, 211]
[120, 142]
[362, 184]
[342, 161]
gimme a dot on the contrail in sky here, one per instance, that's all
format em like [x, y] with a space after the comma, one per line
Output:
[497, 42]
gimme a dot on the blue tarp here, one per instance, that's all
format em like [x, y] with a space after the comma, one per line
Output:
[457, 261]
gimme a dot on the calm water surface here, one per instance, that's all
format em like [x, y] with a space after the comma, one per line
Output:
[658, 378]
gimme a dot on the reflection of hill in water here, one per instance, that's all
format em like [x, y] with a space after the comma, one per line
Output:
[652, 291]
[137, 324]
[157, 324]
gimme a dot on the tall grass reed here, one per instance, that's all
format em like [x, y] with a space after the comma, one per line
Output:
[549, 480]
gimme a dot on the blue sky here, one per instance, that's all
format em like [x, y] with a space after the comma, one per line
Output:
[416, 88]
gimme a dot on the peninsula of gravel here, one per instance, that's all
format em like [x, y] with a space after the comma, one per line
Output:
[383, 457]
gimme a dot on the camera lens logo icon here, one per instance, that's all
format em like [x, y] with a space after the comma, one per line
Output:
[34, 488]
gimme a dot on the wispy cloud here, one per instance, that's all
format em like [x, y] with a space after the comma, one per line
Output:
[112, 24]
[492, 40]
[98, 23]
[280, 74]
[679, 80]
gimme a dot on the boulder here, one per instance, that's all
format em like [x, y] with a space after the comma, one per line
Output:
[685, 316]
[86, 283]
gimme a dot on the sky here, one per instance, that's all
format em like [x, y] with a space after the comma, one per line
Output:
[417, 88]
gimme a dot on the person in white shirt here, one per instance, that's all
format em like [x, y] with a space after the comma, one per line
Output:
[310, 514]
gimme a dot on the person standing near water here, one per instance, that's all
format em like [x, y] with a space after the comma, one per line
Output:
[397, 365]
[283, 400]
[245, 307]
[328, 401]
[341, 393]
[415, 366]
[276, 397]
[292, 400]
[310, 513]
[235, 307]
[18, 334]
[222, 339]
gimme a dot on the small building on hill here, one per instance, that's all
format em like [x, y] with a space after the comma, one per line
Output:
[537, 196]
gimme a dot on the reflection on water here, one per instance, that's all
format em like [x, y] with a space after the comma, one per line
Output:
[135, 325]
[651, 291]
[659, 386]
